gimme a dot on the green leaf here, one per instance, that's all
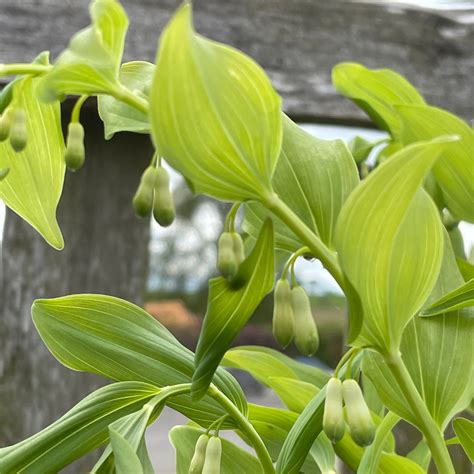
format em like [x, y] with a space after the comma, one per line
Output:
[466, 268]
[273, 425]
[314, 178]
[443, 376]
[376, 91]
[295, 394]
[214, 114]
[361, 148]
[322, 452]
[91, 62]
[230, 307]
[111, 337]
[126, 459]
[454, 171]
[132, 427]
[392, 263]
[371, 458]
[264, 362]
[464, 430]
[118, 116]
[301, 436]
[389, 463]
[371, 397]
[421, 454]
[34, 183]
[461, 297]
[234, 459]
[79, 431]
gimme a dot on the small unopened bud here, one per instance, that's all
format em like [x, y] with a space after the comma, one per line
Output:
[226, 261]
[5, 124]
[282, 323]
[304, 327]
[18, 131]
[143, 199]
[212, 463]
[333, 420]
[360, 422]
[75, 154]
[163, 206]
[239, 251]
[4, 172]
[197, 462]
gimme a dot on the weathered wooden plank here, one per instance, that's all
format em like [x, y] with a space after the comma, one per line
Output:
[296, 41]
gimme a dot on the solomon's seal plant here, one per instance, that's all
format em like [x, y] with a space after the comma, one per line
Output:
[390, 240]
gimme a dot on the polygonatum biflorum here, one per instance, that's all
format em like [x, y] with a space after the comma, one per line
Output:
[388, 234]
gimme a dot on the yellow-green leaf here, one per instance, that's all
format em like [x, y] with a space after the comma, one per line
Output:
[454, 171]
[215, 116]
[34, 184]
[376, 91]
[230, 306]
[91, 62]
[118, 340]
[81, 430]
[464, 430]
[313, 177]
[118, 116]
[390, 243]
[461, 297]
[443, 376]
[234, 459]
[263, 363]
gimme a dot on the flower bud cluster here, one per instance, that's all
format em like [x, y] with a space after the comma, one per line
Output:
[230, 253]
[207, 455]
[154, 195]
[13, 127]
[357, 413]
[293, 318]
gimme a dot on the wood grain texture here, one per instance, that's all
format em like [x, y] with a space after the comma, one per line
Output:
[106, 251]
[296, 41]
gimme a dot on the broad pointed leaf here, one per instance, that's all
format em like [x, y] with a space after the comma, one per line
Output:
[376, 91]
[230, 307]
[118, 116]
[466, 268]
[454, 171]
[34, 183]
[390, 261]
[126, 459]
[421, 454]
[314, 178]
[442, 375]
[234, 460]
[132, 428]
[461, 297]
[79, 431]
[274, 424]
[91, 62]
[295, 394]
[371, 459]
[111, 337]
[298, 443]
[464, 430]
[263, 363]
[214, 114]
